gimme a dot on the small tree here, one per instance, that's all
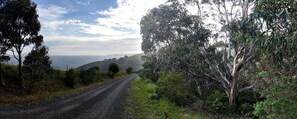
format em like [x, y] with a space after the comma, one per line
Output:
[129, 70]
[36, 64]
[70, 78]
[20, 27]
[90, 75]
[113, 69]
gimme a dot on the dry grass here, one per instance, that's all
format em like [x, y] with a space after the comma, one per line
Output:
[9, 99]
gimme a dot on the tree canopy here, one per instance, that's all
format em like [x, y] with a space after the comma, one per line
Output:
[19, 28]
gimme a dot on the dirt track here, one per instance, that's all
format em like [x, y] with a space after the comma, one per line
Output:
[101, 102]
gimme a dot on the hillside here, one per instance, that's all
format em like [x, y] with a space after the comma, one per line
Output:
[133, 61]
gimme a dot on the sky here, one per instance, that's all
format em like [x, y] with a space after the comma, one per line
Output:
[92, 27]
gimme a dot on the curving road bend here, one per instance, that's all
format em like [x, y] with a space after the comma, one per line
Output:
[101, 102]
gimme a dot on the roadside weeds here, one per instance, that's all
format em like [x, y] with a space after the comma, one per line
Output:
[140, 104]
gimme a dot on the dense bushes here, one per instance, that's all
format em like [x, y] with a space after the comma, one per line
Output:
[90, 75]
[129, 70]
[281, 100]
[113, 68]
[173, 87]
[218, 102]
[71, 78]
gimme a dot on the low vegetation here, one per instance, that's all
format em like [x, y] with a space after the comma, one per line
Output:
[143, 104]
[54, 85]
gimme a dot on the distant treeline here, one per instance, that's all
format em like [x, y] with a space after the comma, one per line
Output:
[124, 62]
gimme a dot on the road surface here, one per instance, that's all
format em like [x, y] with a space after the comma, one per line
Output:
[101, 102]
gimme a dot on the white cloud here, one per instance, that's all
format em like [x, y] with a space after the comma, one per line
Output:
[61, 45]
[51, 17]
[117, 31]
[82, 2]
[127, 14]
[101, 30]
[121, 20]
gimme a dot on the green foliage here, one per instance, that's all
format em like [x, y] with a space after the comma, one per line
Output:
[281, 100]
[113, 69]
[36, 64]
[143, 106]
[172, 87]
[129, 70]
[20, 28]
[262, 74]
[218, 102]
[279, 41]
[9, 74]
[90, 75]
[144, 73]
[71, 78]
[246, 101]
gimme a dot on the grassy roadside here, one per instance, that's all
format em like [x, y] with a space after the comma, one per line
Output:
[11, 100]
[141, 105]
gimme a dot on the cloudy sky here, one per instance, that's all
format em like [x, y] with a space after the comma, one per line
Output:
[92, 27]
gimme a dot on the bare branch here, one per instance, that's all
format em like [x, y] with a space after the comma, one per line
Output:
[247, 88]
[14, 55]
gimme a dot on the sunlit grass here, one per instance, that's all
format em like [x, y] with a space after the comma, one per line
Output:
[143, 106]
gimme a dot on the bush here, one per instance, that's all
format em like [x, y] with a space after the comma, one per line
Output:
[172, 87]
[71, 78]
[218, 102]
[281, 100]
[113, 68]
[129, 70]
[246, 100]
[144, 73]
[90, 75]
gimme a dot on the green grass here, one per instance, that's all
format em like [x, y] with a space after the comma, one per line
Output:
[142, 106]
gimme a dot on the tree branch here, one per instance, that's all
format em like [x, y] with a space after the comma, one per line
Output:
[247, 88]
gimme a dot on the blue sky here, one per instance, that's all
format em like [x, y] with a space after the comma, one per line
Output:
[92, 27]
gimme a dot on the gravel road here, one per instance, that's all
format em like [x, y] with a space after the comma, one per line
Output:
[102, 102]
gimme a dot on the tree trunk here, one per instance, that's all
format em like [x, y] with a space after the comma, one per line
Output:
[20, 81]
[155, 76]
[1, 76]
[234, 90]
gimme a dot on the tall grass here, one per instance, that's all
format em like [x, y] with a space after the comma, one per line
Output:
[145, 105]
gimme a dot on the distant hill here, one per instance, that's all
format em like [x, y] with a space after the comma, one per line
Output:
[133, 61]
[64, 62]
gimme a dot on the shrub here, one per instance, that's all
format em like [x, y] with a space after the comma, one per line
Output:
[172, 87]
[129, 70]
[281, 100]
[90, 75]
[218, 102]
[71, 78]
[144, 73]
[113, 69]
[246, 100]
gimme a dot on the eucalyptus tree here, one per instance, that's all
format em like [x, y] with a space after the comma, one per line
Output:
[238, 32]
[161, 29]
[278, 22]
[20, 26]
[36, 64]
[279, 46]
